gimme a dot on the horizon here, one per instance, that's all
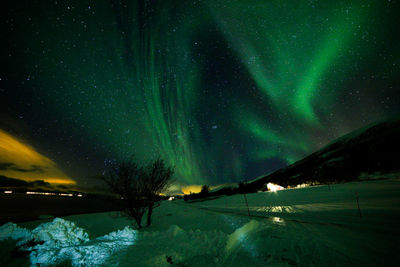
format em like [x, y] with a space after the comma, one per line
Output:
[42, 185]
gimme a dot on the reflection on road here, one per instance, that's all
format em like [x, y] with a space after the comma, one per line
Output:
[278, 220]
[278, 209]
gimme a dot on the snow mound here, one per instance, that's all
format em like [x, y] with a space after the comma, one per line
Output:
[59, 233]
[60, 240]
[13, 231]
[121, 236]
[55, 241]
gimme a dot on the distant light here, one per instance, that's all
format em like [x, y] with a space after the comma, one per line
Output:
[274, 187]
[278, 220]
[65, 195]
[302, 185]
[51, 194]
[8, 192]
[171, 198]
[79, 195]
[40, 193]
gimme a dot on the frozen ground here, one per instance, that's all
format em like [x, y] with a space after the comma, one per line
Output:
[314, 226]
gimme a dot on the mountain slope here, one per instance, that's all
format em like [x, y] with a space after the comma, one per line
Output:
[368, 150]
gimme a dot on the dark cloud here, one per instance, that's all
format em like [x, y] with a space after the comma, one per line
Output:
[18, 185]
[8, 182]
[40, 183]
[5, 166]
[12, 182]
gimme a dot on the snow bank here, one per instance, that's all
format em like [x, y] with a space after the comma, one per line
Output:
[62, 240]
[60, 233]
[13, 231]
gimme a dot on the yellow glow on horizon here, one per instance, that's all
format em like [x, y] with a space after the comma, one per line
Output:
[24, 157]
[195, 188]
[63, 181]
[191, 189]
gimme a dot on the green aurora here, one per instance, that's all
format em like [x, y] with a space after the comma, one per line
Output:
[223, 90]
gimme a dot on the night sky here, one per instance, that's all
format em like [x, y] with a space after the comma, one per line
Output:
[225, 91]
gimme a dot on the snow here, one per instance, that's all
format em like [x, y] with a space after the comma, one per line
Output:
[274, 187]
[312, 226]
[13, 231]
[61, 240]
[240, 236]
[60, 233]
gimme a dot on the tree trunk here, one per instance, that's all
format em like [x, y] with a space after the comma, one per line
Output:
[149, 213]
[139, 222]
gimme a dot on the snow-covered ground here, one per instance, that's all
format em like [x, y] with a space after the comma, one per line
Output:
[314, 226]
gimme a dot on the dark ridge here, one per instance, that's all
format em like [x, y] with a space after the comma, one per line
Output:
[368, 151]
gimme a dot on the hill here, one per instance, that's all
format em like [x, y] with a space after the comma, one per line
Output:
[367, 151]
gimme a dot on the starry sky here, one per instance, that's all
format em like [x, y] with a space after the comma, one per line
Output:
[225, 91]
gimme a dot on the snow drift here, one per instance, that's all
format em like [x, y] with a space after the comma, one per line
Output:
[60, 240]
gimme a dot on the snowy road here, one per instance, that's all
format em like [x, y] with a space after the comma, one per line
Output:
[318, 224]
[284, 242]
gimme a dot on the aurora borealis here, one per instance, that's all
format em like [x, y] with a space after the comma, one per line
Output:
[225, 91]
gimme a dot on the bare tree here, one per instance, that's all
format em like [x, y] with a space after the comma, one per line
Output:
[139, 187]
[126, 180]
[157, 176]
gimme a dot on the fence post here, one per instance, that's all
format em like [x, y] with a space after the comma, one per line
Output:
[358, 205]
[247, 205]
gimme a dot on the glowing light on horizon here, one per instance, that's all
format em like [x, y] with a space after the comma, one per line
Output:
[58, 181]
[274, 187]
[195, 188]
[191, 189]
[8, 192]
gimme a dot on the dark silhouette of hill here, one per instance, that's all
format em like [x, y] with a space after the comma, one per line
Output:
[370, 150]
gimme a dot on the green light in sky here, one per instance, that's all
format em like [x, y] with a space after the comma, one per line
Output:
[288, 50]
[176, 79]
